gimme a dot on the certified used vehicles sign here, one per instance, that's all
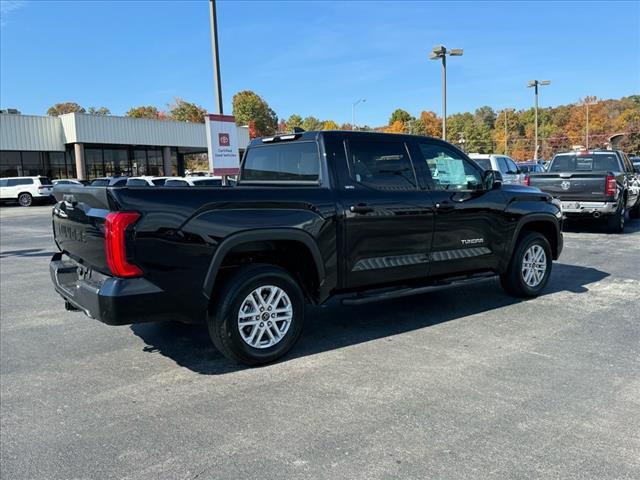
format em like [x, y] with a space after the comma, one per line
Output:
[222, 144]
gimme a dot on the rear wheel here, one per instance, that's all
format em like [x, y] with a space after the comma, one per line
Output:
[615, 223]
[530, 266]
[258, 315]
[25, 199]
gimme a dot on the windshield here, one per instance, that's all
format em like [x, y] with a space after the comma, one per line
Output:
[591, 162]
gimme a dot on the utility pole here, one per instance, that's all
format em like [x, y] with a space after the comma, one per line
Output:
[586, 102]
[535, 84]
[217, 84]
[441, 52]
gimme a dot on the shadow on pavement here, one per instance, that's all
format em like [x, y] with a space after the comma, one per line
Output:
[573, 225]
[26, 252]
[336, 326]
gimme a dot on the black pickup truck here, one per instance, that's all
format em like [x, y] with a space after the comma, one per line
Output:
[366, 216]
[593, 184]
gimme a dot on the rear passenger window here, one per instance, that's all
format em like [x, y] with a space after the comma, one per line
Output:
[282, 162]
[14, 182]
[449, 170]
[381, 165]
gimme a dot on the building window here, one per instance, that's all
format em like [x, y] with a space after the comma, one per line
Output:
[10, 164]
[116, 162]
[93, 162]
[154, 161]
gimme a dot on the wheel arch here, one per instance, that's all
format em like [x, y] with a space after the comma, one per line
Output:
[544, 223]
[259, 240]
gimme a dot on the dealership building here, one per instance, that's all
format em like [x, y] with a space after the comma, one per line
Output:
[84, 146]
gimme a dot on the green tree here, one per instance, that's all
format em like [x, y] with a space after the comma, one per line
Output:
[292, 122]
[183, 111]
[144, 111]
[311, 123]
[99, 111]
[250, 107]
[485, 116]
[66, 107]
[400, 115]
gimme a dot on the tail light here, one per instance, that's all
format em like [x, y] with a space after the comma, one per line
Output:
[115, 228]
[610, 186]
[527, 180]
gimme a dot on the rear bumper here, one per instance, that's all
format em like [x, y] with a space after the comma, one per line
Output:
[112, 300]
[578, 208]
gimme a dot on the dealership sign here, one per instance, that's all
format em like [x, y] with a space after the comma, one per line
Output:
[222, 143]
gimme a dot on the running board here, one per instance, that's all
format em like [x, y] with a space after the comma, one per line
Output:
[376, 296]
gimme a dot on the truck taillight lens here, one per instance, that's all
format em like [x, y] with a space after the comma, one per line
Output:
[527, 180]
[115, 228]
[610, 186]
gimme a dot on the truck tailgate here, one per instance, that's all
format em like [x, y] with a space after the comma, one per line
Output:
[571, 185]
[78, 223]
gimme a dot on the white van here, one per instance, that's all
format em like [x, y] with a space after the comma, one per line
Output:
[26, 190]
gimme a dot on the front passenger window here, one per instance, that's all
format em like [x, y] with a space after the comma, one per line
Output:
[449, 170]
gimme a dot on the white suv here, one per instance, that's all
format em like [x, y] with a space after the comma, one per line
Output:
[25, 190]
[505, 165]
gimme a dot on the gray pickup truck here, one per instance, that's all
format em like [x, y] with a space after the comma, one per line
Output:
[593, 184]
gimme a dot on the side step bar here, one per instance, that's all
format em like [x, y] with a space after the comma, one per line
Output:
[386, 294]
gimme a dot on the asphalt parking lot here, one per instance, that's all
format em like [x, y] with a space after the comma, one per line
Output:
[464, 383]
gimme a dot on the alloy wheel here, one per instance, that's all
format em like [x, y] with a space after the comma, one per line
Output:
[534, 265]
[265, 316]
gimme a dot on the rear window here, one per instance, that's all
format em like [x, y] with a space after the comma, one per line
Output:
[207, 182]
[100, 182]
[136, 182]
[176, 183]
[596, 162]
[45, 181]
[297, 162]
[484, 163]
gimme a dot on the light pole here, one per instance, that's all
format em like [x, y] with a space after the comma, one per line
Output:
[586, 102]
[506, 128]
[353, 112]
[217, 85]
[441, 52]
[535, 84]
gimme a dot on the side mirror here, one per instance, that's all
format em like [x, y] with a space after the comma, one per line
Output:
[492, 179]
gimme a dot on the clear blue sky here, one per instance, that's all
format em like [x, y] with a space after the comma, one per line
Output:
[316, 58]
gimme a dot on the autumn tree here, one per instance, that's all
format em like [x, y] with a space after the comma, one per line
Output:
[250, 107]
[427, 124]
[183, 111]
[485, 116]
[330, 125]
[66, 107]
[396, 127]
[144, 111]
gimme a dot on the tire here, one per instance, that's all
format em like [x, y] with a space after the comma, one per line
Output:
[515, 280]
[616, 222]
[252, 344]
[25, 199]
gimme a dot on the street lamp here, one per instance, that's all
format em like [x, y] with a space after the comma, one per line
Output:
[440, 51]
[535, 84]
[353, 112]
[586, 102]
[506, 131]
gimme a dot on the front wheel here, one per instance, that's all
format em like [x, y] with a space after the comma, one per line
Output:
[25, 199]
[258, 315]
[530, 266]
